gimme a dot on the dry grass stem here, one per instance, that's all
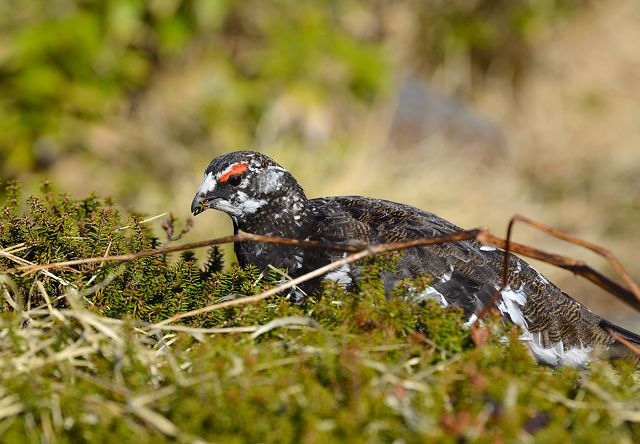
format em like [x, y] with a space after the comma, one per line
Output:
[607, 254]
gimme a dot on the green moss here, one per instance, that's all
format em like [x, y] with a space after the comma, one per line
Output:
[373, 369]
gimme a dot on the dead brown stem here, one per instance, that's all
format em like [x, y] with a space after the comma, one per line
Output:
[482, 235]
[576, 266]
[630, 345]
[368, 251]
[617, 266]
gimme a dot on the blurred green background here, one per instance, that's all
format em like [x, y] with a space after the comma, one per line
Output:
[473, 109]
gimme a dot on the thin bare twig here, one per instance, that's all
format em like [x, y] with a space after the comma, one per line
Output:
[576, 266]
[505, 278]
[369, 251]
[617, 266]
[568, 263]
[631, 297]
[482, 235]
[630, 345]
[241, 236]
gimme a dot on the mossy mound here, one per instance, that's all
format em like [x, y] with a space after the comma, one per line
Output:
[85, 356]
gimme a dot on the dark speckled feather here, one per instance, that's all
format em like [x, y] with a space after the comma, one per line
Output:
[265, 199]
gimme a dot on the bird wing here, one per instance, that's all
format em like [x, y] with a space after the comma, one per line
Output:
[465, 274]
[462, 275]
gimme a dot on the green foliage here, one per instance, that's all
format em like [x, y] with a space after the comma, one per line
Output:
[343, 366]
[66, 64]
[489, 33]
[55, 228]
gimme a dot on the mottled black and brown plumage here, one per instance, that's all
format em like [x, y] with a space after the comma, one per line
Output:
[263, 198]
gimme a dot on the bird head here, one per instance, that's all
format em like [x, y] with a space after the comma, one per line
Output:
[244, 183]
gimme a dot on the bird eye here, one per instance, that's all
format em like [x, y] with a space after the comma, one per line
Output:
[234, 180]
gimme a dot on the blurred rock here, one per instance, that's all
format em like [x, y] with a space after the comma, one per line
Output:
[426, 119]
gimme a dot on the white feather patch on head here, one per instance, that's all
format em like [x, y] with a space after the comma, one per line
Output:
[207, 185]
[243, 206]
[270, 180]
[249, 205]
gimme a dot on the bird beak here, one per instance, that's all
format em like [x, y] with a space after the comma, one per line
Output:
[198, 205]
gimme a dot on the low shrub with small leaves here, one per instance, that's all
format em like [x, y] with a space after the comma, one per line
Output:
[86, 353]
